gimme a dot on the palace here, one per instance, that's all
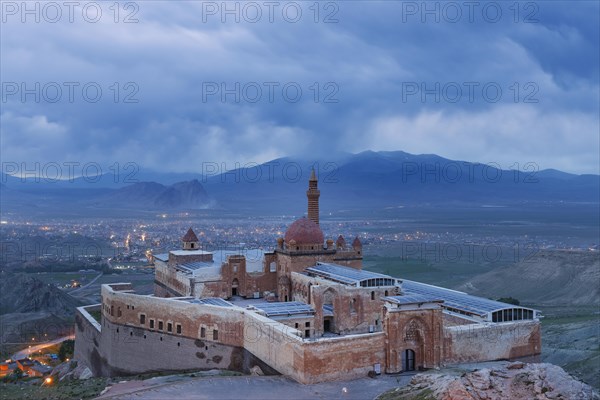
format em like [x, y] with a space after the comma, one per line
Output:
[306, 309]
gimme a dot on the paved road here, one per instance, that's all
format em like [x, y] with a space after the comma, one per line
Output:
[34, 348]
[253, 388]
[86, 285]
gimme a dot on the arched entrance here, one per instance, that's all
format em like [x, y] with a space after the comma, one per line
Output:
[234, 287]
[408, 360]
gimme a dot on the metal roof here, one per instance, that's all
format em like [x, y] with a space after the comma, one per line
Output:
[457, 300]
[192, 266]
[287, 308]
[213, 301]
[413, 299]
[346, 275]
[162, 257]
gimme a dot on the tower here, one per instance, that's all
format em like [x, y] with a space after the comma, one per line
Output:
[313, 194]
[190, 240]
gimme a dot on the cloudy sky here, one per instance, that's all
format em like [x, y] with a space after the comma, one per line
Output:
[186, 82]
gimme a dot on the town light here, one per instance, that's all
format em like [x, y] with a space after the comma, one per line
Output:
[48, 380]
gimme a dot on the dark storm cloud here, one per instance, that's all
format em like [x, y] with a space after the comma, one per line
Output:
[368, 62]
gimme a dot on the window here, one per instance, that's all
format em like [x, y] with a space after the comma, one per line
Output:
[160, 325]
[203, 332]
[119, 313]
[235, 267]
[178, 327]
[296, 325]
[272, 267]
[386, 293]
[215, 335]
[133, 307]
[151, 324]
[142, 319]
[372, 295]
[307, 324]
[353, 306]
[169, 327]
[191, 245]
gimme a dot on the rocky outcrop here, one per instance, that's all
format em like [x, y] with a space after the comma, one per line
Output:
[71, 370]
[505, 382]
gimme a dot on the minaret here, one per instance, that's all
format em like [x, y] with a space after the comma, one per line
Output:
[313, 194]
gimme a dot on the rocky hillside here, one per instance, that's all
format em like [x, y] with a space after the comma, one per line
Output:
[152, 195]
[547, 278]
[21, 293]
[32, 308]
[506, 381]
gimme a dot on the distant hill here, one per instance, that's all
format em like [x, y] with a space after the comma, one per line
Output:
[23, 293]
[364, 181]
[547, 278]
[31, 308]
[371, 180]
[152, 195]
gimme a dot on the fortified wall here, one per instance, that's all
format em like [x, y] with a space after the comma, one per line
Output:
[186, 335]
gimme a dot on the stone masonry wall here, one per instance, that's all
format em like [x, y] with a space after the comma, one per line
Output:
[473, 343]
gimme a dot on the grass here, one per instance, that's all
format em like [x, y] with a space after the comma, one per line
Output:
[83, 389]
[76, 389]
[97, 314]
[407, 394]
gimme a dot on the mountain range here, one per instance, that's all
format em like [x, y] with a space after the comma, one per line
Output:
[347, 181]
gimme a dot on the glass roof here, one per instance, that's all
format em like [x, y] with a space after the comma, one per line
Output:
[347, 275]
[413, 299]
[284, 308]
[455, 299]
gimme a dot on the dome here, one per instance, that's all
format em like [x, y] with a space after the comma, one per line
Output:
[304, 231]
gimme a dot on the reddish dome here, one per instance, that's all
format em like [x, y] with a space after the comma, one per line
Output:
[304, 231]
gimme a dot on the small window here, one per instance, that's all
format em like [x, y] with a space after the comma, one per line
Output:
[235, 268]
[307, 324]
[296, 325]
[160, 325]
[273, 267]
[169, 327]
[178, 326]
[215, 335]
[192, 245]
[372, 295]
[142, 319]
[203, 332]
[386, 293]
[133, 307]
[151, 324]
[128, 306]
